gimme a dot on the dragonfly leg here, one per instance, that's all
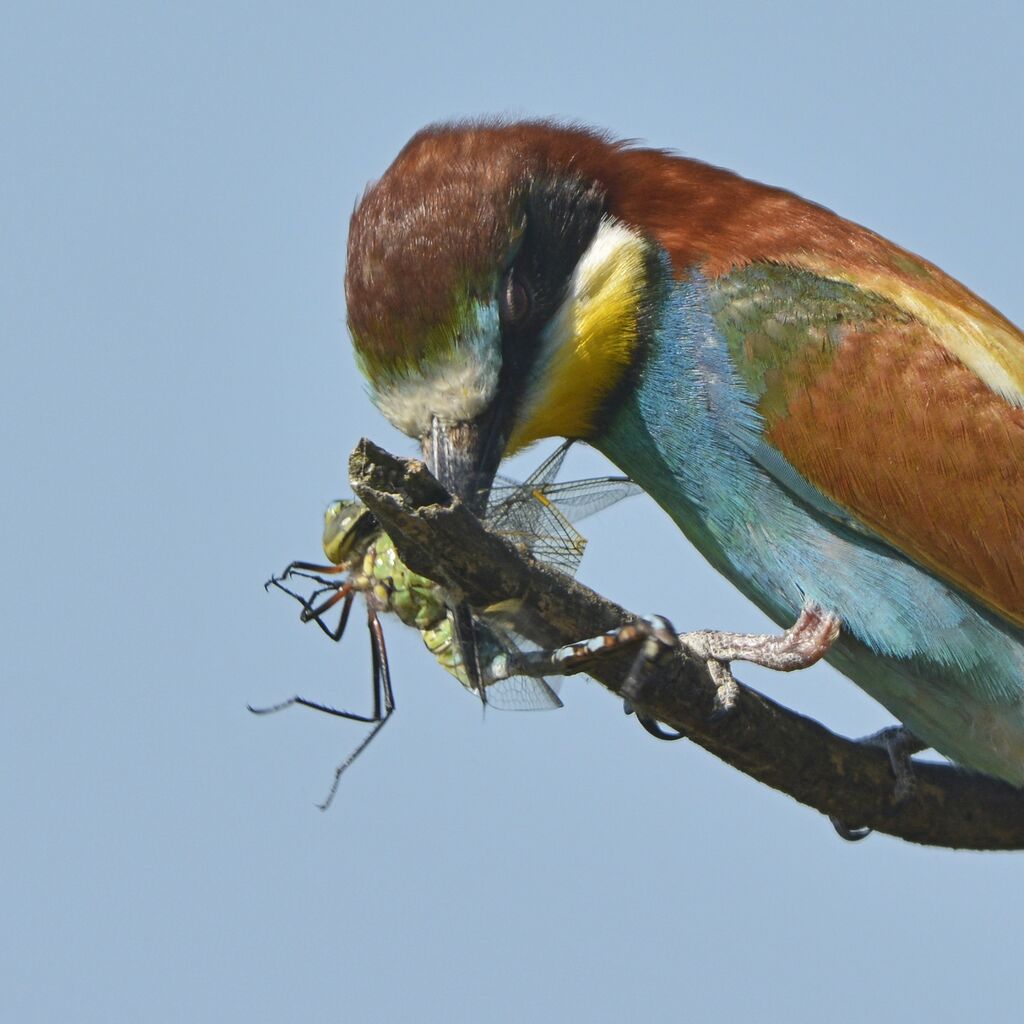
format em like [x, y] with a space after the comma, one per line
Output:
[325, 583]
[314, 613]
[383, 699]
[305, 568]
[383, 695]
[303, 702]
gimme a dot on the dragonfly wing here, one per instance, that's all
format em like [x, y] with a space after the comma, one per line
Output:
[520, 693]
[517, 693]
[538, 514]
[578, 499]
[508, 495]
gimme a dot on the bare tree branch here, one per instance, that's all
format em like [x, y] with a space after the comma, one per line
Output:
[438, 537]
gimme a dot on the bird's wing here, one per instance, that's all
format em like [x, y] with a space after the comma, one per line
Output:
[904, 411]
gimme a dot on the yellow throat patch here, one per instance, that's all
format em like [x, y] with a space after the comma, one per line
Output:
[590, 342]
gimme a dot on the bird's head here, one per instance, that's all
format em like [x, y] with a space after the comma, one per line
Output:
[494, 295]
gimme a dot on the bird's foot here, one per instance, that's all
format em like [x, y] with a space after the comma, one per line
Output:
[654, 636]
[900, 744]
[804, 643]
[657, 641]
[807, 641]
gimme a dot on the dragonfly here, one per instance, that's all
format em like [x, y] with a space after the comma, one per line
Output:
[536, 515]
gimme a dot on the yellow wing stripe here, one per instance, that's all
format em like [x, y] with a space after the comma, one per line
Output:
[979, 337]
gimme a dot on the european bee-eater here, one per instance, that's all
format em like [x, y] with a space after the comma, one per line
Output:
[835, 423]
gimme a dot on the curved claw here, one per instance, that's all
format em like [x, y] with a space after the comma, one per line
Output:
[652, 725]
[852, 834]
[658, 731]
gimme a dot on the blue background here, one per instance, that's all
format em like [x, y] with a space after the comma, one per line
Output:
[177, 403]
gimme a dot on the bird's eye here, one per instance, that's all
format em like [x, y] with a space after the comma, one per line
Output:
[515, 300]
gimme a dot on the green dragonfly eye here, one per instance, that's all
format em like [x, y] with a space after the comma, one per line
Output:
[349, 527]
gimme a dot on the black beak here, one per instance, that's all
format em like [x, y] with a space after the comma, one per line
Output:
[464, 457]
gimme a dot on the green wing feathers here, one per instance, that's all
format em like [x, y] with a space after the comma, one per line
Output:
[875, 411]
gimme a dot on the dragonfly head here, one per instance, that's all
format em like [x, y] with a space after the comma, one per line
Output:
[349, 529]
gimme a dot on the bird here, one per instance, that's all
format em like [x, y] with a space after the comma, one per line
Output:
[835, 423]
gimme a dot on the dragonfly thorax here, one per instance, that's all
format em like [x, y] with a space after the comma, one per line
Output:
[416, 600]
[353, 539]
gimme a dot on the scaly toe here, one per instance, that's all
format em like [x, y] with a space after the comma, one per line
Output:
[899, 743]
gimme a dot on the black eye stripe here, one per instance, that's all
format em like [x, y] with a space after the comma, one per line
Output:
[561, 216]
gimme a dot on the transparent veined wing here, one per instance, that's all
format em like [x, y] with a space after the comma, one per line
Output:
[538, 514]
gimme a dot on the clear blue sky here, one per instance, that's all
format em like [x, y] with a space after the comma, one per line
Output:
[177, 405]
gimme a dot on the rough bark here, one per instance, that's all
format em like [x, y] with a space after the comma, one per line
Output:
[853, 783]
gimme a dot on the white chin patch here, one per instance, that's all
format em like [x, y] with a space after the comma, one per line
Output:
[455, 386]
